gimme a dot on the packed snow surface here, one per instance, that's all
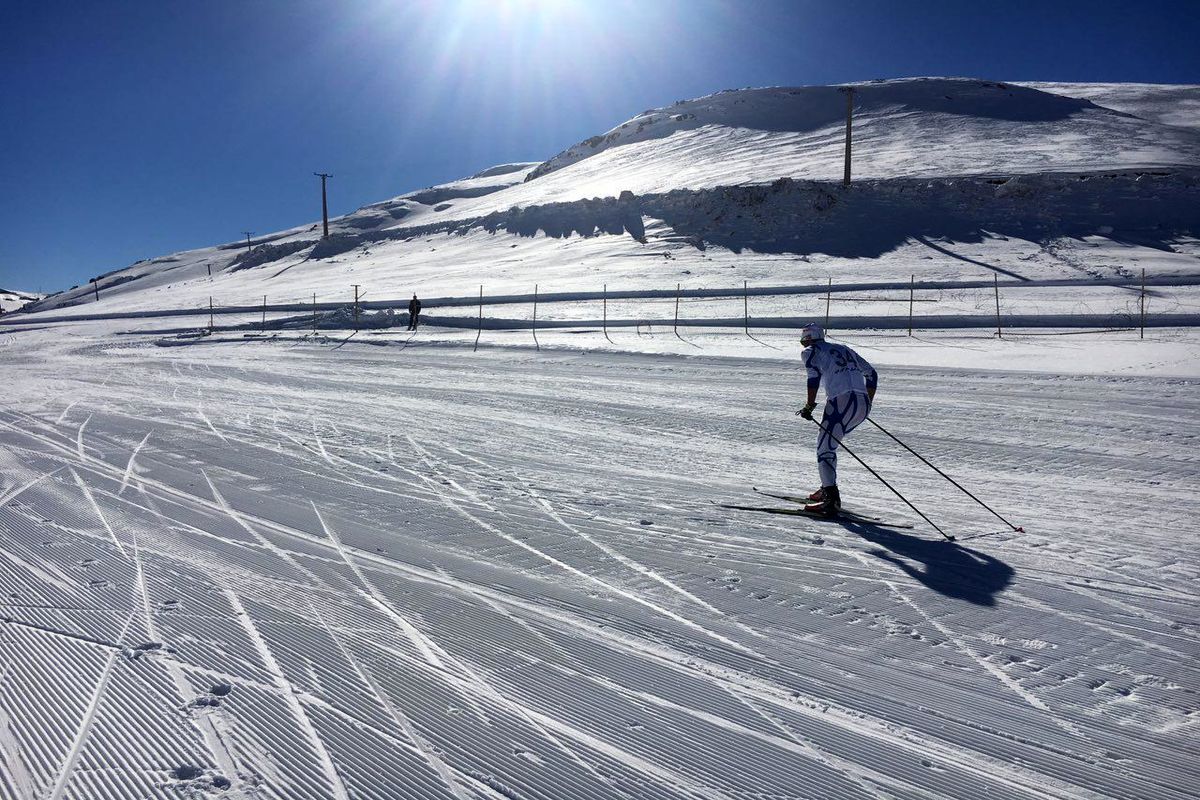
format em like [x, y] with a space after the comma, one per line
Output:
[279, 569]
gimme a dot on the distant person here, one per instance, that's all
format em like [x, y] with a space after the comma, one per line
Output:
[414, 313]
[850, 384]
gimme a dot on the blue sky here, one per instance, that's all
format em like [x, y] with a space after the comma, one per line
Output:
[132, 129]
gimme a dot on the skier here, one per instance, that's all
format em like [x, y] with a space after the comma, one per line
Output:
[850, 384]
[414, 312]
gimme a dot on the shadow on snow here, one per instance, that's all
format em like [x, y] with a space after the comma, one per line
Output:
[945, 567]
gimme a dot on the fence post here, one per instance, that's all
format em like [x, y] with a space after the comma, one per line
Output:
[479, 332]
[536, 344]
[1142, 304]
[746, 306]
[264, 317]
[209, 271]
[604, 297]
[996, 281]
[96, 287]
[828, 297]
[314, 313]
[675, 325]
[678, 288]
[210, 314]
[912, 288]
[355, 306]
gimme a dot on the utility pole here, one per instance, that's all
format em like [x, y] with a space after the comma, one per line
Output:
[324, 204]
[355, 304]
[849, 92]
[96, 287]
[248, 234]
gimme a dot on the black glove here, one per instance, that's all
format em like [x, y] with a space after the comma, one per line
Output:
[807, 411]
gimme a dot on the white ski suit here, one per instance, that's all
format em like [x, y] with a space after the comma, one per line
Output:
[847, 377]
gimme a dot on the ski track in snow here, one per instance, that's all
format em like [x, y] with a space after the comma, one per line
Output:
[336, 786]
[132, 457]
[486, 580]
[574, 570]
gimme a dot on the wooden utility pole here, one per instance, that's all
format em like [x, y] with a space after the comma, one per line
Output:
[355, 305]
[96, 287]
[248, 234]
[849, 92]
[264, 318]
[324, 204]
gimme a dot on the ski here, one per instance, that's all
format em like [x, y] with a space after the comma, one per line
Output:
[789, 497]
[845, 513]
[842, 516]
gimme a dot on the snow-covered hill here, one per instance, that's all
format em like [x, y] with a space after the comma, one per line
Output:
[11, 300]
[1167, 104]
[954, 178]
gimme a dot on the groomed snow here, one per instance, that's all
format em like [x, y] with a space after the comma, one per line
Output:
[272, 568]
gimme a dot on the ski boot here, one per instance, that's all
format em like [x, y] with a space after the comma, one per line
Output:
[817, 496]
[830, 502]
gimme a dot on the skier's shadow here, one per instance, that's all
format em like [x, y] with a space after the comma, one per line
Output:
[948, 568]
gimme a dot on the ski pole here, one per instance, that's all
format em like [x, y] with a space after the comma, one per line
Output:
[820, 425]
[1016, 528]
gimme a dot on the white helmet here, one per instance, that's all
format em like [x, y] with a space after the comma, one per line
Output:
[811, 333]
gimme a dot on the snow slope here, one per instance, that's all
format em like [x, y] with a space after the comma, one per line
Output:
[1167, 104]
[11, 301]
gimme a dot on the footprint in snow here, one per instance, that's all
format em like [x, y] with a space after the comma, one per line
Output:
[197, 779]
[134, 653]
[204, 701]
